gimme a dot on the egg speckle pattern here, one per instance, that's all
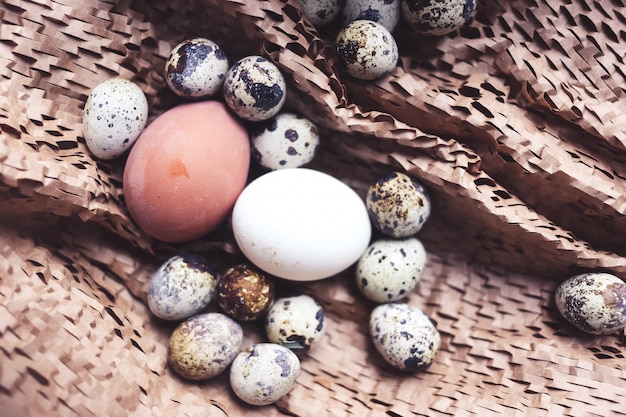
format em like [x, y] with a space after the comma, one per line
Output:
[320, 12]
[204, 345]
[264, 373]
[390, 268]
[296, 322]
[385, 12]
[245, 293]
[196, 68]
[254, 88]
[366, 49]
[286, 140]
[115, 114]
[398, 204]
[437, 17]
[182, 286]
[404, 336]
[593, 302]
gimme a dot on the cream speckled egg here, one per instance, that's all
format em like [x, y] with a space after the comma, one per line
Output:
[204, 345]
[385, 12]
[398, 205]
[254, 88]
[593, 302]
[390, 268]
[182, 286]
[196, 68]
[366, 49]
[115, 114]
[404, 336]
[437, 17]
[320, 12]
[287, 140]
[296, 322]
[264, 373]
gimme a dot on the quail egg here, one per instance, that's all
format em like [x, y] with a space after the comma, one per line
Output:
[320, 12]
[244, 293]
[437, 17]
[385, 12]
[296, 322]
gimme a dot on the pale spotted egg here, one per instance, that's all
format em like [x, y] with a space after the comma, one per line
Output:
[385, 12]
[437, 17]
[320, 12]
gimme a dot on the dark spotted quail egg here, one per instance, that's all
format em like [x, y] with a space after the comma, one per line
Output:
[385, 12]
[398, 204]
[244, 293]
[296, 322]
[254, 88]
[366, 49]
[320, 12]
[593, 302]
[404, 336]
[437, 17]
[182, 286]
[196, 68]
[264, 373]
[287, 140]
[390, 268]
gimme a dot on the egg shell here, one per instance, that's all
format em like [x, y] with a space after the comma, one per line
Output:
[593, 302]
[186, 171]
[390, 268]
[320, 12]
[264, 373]
[366, 49]
[296, 322]
[254, 88]
[244, 293]
[287, 140]
[195, 68]
[404, 336]
[182, 287]
[115, 114]
[204, 345]
[437, 17]
[398, 204]
[385, 12]
[300, 224]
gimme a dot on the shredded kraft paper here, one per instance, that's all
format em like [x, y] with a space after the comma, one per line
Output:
[515, 124]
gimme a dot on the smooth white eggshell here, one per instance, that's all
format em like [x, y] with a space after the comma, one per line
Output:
[300, 224]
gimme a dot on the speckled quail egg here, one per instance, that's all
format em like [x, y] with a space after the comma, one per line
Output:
[398, 204]
[385, 12]
[593, 302]
[254, 88]
[182, 286]
[204, 345]
[296, 322]
[244, 293]
[366, 49]
[390, 268]
[404, 336]
[320, 12]
[287, 140]
[196, 68]
[437, 17]
[115, 114]
[264, 373]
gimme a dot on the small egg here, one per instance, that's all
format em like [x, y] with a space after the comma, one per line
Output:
[254, 88]
[593, 302]
[366, 49]
[437, 17]
[196, 68]
[115, 113]
[182, 287]
[398, 205]
[286, 140]
[204, 345]
[296, 322]
[390, 268]
[385, 12]
[264, 373]
[404, 336]
[320, 12]
[244, 293]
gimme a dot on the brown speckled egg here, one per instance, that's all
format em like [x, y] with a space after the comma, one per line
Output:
[204, 345]
[593, 302]
[245, 293]
[437, 17]
[296, 322]
[398, 204]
